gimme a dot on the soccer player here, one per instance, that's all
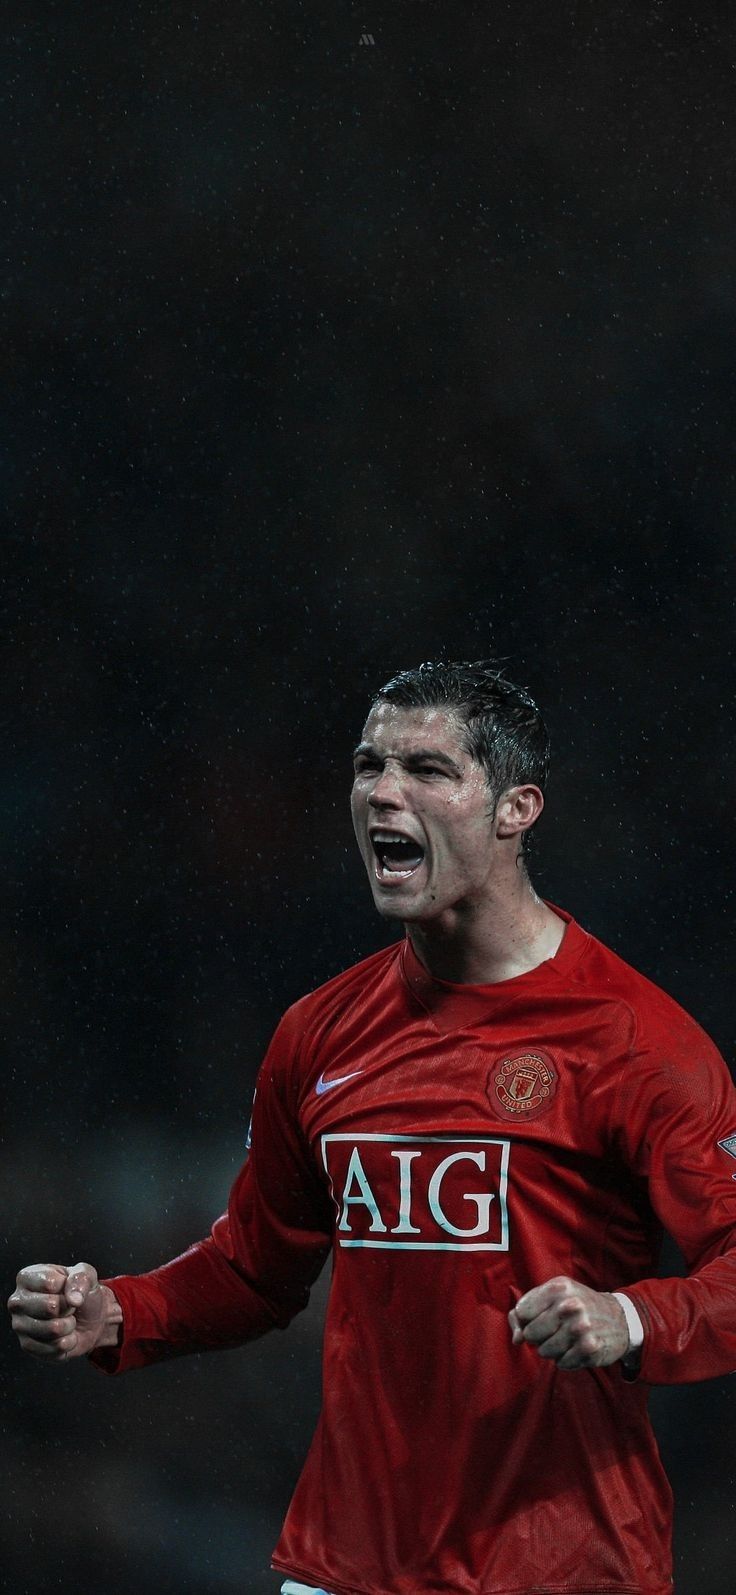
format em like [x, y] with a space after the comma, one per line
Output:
[487, 1124]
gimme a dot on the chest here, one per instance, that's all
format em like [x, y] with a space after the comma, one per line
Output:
[428, 1141]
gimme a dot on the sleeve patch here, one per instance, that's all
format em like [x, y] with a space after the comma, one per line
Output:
[249, 1136]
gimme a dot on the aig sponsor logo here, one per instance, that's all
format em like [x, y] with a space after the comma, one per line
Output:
[441, 1193]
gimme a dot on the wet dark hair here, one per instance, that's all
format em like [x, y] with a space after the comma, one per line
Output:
[505, 731]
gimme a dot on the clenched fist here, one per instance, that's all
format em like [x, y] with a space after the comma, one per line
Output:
[574, 1326]
[59, 1313]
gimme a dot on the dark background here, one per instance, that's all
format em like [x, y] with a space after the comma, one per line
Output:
[322, 358]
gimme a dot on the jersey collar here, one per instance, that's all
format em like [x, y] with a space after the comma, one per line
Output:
[458, 1007]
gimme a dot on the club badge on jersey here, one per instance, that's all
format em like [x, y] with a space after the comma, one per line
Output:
[523, 1087]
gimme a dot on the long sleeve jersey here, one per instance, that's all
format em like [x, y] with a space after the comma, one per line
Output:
[453, 1146]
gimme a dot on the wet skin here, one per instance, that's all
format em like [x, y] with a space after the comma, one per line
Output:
[414, 775]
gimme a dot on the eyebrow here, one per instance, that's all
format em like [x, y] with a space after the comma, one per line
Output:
[417, 756]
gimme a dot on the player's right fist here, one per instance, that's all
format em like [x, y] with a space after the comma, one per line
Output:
[59, 1312]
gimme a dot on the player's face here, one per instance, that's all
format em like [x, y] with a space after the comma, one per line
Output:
[423, 814]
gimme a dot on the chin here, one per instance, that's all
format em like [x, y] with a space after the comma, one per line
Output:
[408, 912]
[389, 910]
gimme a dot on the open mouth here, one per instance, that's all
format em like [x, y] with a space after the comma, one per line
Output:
[397, 856]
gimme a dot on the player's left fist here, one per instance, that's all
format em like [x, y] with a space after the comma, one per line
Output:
[572, 1325]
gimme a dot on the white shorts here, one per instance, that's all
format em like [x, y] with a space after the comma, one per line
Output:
[290, 1588]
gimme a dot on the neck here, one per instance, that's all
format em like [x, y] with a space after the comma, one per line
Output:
[511, 932]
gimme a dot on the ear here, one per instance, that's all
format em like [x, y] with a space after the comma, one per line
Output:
[517, 808]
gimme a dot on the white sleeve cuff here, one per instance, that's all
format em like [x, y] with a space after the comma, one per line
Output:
[633, 1321]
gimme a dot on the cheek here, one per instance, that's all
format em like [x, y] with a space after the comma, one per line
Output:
[358, 807]
[466, 842]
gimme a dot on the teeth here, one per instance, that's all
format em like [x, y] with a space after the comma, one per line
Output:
[390, 836]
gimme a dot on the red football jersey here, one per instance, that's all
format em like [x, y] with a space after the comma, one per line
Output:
[454, 1146]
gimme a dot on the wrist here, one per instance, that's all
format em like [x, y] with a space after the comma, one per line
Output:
[111, 1322]
[630, 1358]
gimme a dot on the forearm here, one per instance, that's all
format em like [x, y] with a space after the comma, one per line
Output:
[111, 1329]
[253, 1272]
[689, 1324]
[196, 1302]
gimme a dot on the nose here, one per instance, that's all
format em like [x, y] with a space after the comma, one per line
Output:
[387, 789]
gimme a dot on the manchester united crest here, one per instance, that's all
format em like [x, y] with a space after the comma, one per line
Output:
[523, 1087]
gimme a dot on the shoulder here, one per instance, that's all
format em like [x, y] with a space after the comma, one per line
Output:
[349, 986]
[670, 1065]
[658, 1019]
[314, 1015]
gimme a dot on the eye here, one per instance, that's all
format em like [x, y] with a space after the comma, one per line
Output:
[363, 764]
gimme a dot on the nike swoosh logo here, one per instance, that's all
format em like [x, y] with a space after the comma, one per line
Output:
[328, 1085]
